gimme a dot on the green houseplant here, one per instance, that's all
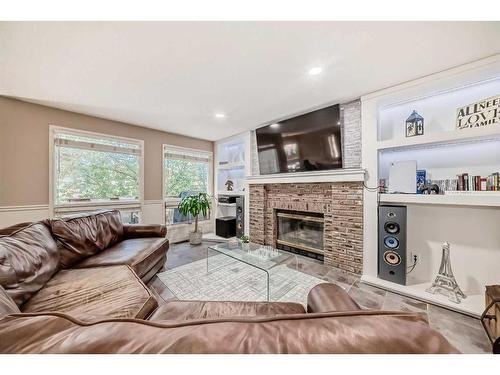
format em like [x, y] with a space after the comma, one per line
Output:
[194, 205]
[245, 242]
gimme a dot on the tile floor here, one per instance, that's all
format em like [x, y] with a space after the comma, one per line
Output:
[464, 332]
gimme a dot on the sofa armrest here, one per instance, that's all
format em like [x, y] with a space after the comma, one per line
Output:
[144, 230]
[329, 298]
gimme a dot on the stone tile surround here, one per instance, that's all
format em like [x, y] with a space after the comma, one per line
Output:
[341, 203]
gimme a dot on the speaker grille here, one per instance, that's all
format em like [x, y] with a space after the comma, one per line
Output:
[392, 258]
[391, 242]
[391, 227]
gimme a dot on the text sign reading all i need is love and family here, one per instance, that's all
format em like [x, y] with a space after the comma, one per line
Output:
[485, 112]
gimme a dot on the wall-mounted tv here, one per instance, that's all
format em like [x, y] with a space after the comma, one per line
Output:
[309, 142]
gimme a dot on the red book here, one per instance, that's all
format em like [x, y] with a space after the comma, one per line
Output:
[483, 183]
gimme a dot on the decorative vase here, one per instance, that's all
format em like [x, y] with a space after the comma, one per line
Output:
[195, 237]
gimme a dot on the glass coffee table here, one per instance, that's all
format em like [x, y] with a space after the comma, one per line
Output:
[255, 255]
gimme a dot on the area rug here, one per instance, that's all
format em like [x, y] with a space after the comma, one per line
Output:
[231, 280]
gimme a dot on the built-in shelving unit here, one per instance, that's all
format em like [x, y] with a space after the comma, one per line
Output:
[232, 162]
[467, 221]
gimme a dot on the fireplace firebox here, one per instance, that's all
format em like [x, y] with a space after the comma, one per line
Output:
[300, 233]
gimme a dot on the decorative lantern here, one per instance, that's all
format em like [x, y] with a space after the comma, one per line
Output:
[414, 125]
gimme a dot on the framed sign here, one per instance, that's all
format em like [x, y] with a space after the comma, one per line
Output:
[482, 113]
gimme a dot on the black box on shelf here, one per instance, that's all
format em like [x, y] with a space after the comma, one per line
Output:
[225, 226]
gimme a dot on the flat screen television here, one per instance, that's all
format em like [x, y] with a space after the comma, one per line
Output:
[308, 142]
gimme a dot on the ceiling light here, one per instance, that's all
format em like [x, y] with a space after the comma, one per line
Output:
[275, 125]
[315, 71]
[220, 115]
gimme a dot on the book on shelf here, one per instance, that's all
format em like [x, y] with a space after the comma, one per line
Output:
[421, 173]
[466, 182]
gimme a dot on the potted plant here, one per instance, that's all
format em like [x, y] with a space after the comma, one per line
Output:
[194, 205]
[245, 242]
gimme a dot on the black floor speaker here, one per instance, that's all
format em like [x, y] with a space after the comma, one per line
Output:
[392, 244]
[240, 216]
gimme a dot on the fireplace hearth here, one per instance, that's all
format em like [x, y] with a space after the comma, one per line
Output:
[300, 232]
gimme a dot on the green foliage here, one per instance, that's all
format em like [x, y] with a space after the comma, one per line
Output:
[184, 175]
[194, 205]
[245, 239]
[96, 175]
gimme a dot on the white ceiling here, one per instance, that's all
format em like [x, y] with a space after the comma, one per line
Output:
[174, 76]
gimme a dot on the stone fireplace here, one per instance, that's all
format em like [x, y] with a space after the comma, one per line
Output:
[324, 219]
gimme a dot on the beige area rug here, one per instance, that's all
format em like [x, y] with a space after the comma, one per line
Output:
[232, 280]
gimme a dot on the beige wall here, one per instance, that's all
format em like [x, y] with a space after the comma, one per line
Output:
[24, 149]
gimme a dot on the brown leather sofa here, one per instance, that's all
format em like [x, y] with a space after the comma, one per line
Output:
[89, 266]
[55, 298]
[333, 323]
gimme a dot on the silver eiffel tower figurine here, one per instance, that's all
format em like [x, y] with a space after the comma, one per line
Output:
[445, 282]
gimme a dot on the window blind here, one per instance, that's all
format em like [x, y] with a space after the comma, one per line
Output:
[63, 139]
[187, 155]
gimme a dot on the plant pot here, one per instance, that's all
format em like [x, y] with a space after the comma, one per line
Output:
[195, 237]
[245, 246]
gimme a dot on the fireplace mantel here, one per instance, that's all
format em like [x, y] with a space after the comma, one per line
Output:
[337, 175]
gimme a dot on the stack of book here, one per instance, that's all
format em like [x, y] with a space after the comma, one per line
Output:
[465, 182]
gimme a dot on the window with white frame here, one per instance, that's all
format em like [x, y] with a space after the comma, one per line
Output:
[92, 171]
[185, 172]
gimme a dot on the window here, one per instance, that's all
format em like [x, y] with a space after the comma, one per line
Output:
[92, 170]
[186, 172]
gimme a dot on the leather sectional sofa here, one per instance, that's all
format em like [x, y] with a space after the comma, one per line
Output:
[89, 266]
[75, 285]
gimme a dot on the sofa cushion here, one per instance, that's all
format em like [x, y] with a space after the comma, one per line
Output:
[141, 254]
[7, 305]
[81, 236]
[195, 310]
[94, 293]
[28, 259]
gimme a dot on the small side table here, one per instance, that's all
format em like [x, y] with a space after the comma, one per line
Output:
[491, 316]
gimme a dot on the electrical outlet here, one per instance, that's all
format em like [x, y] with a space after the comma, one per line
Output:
[414, 258]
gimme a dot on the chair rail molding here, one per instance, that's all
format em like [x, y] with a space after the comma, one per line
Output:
[10, 215]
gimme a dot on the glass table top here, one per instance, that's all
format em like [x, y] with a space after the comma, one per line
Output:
[254, 254]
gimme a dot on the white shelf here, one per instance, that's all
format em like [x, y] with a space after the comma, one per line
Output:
[232, 193]
[450, 200]
[473, 305]
[239, 165]
[442, 138]
[226, 204]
